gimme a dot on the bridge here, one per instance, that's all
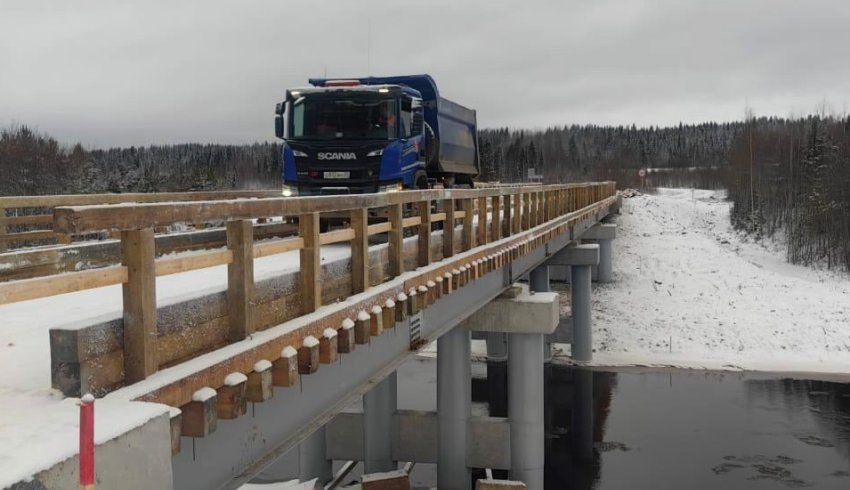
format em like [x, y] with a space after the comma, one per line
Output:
[295, 323]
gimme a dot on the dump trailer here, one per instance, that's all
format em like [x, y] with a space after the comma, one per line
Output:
[374, 134]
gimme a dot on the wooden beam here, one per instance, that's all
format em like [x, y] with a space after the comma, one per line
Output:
[232, 397]
[396, 240]
[468, 218]
[345, 337]
[285, 369]
[240, 279]
[260, 382]
[376, 321]
[199, 416]
[388, 314]
[311, 263]
[424, 254]
[378, 228]
[176, 422]
[507, 220]
[328, 346]
[277, 247]
[26, 236]
[176, 265]
[360, 250]
[449, 228]
[308, 356]
[140, 333]
[517, 214]
[361, 328]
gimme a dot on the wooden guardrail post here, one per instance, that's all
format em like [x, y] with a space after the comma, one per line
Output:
[140, 334]
[360, 250]
[466, 241]
[482, 221]
[240, 279]
[508, 219]
[517, 213]
[424, 209]
[449, 228]
[311, 264]
[3, 245]
[496, 218]
[526, 211]
[396, 238]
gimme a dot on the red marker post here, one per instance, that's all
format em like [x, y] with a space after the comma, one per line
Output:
[87, 442]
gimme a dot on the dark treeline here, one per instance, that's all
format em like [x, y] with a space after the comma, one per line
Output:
[603, 152]
[36, 164]
[792, 178]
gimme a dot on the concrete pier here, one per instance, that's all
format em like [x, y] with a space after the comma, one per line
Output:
[525, 408]
[312, 459]
[603, 234]
[580, 258]
[379, 405]
[538, 282]
[454, 399]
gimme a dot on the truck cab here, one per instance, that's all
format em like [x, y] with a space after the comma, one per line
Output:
[356, 136]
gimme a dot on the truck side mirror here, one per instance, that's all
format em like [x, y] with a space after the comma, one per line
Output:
[417, 124]
[278, 109]
[278, 126]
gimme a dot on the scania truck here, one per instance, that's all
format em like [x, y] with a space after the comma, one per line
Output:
[374, 134]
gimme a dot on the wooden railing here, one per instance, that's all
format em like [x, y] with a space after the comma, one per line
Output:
[28, 219]
[500, 213]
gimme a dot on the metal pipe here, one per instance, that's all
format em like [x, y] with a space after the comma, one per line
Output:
[582, 348]
[454, 395]
[379, 405]
[525, 408]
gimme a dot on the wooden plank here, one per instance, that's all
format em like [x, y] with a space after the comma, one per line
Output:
[129, 197]
[42, 287]
[361, 328]
[285, 369]
[396, 241]
[412, 221]
[176, 265]
[176, 422]
[517, 213]
[26, 236]
[345, 337]
[33, 219]
[277, 247]
[438, 217]
[496, 219]
[311, 263]
[360, 250]
[449, 228]
[240, 279]
[467, 233]
[328, 346]
[259, 387]
[482, 221]
[423, 208]
[337, 236]
[379, 228]
[139, 292]
[507, 219]
[308, 356]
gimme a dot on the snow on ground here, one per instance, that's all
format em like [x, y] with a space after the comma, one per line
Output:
[689, 291]
[38, 428]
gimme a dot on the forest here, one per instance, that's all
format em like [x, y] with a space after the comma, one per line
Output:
[786, 178]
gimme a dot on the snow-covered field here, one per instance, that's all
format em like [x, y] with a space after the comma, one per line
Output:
[689, 291]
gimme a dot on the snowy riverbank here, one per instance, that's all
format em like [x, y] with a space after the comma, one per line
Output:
[690, 292]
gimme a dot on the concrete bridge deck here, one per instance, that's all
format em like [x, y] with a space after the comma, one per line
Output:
[351, 313]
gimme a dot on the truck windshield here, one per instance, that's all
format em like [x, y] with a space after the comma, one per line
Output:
[323, 119]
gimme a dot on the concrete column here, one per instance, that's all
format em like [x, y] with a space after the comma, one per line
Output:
[525, 408]
[379, 405]
[454, 397]
[312, 458]
[605, 271]
[497, 373]
[582, 347]
[538, 282]
[582, 416]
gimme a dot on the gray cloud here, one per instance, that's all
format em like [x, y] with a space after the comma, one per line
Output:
[107, 73]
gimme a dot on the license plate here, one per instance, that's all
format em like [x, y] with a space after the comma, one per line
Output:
[337, 175]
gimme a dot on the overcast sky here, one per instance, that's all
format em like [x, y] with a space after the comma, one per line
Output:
[107, 73]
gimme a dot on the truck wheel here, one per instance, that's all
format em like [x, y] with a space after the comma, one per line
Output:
[420, 180]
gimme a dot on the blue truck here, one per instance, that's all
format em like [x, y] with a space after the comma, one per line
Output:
[374, 134]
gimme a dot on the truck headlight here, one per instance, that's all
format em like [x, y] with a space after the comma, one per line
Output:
[375, 153]
[390, 188]
[289, 191]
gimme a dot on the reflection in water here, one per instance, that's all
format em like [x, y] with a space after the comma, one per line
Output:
[688, 429]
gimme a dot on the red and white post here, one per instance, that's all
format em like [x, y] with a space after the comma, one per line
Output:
[87, 442]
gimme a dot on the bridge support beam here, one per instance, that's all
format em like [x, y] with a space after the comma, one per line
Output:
[602, 234]
[580, 258]
[525, 408]
[379, 405]
[312, 459]
[454, 399]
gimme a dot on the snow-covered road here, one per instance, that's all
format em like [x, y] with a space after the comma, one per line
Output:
[689, 291]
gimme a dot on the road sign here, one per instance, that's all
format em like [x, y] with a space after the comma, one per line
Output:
[642, 173]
